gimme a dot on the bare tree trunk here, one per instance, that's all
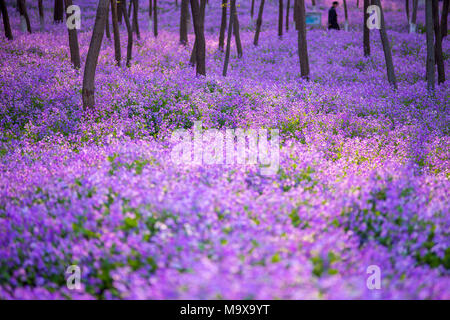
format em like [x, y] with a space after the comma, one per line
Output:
[366, 36]
[198, 14]
[223, 25]
[252, 9]
[88, 91]
[41, 14]
[258, 23]
[313, 2]
[386, 47]
[346, 16]
[5, 16]
[287, 14]
[155, 18]
[119, 11]
[438, 43]
[302, 44]
[430, 44]
[184, 22]
[108, 34]
[135, 18]
[115, 25]
[280, 18]
[412, 25]
[357, 3]
[230, 31]
[407, 11]
[73, 42]
[129, 31]
[444, 19]
[237, 36]
[58, 11]
[150, 13]
[24, 14]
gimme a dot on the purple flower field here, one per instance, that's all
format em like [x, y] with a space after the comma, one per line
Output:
[363, 177]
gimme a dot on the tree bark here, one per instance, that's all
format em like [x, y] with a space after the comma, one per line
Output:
[258, 23]
[200, 46]
[135, 18]
[223, 25]
[58, 11]
[155, 18]
[430, 44]
[346, 16]
[88, 91]
[280, 18]
[302, 44]
[287, 14]
[438, 43]
[237, 36]
[41, 14]
[184, 22]
[73, 42]
[108, 34]
[115, 26]
[407, 11]
[386, 47]
[230, 31]
[24, 14]
[252, 9]
[412, 25]
[119, 11]
[5, 16]
[129, 31]
[366, 35]
[444, 16]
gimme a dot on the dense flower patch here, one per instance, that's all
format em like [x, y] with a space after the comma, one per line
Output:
[363, 177]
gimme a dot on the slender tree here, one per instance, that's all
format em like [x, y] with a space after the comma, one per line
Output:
[230, 28]
[407, 11]
[41, 14]
[88, 91]
[302, 44]
[280, 18]
[150, 14]
[198, 13]
[5, 16]
[386, 47]
[346, 16]
[73, 41]
[115, 26]
[412, 25]
[108, 34]
[287, 14]
[24, 18]
[184, 22]
[237, 36]
[155, 18]
[313, 2]
[438, 43]
[258, 23]
[223, 25]
[444, 17]
[129, 31]
[366, 35]
[119, 11]
[58, 11]
[430, 44]
[357, 3]
[252, 9]
[135, 18]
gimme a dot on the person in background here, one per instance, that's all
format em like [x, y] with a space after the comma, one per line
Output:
[332, 17]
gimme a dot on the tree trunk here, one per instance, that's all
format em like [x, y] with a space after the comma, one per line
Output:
[223, 25]
[129, 31]
[150, 13]
[444, 19]
[430, 44]
[252, 9]
[108, 34]
[313, 2]
[198, 14]
[412, 25]
[88, 91]
[5, 16]
[73, 42]
[346, 16]
[135, 18]
[386, 47]
[155, 18]
[237, 36]
[230, 31]
[119, 12]
[41, 14]
[280, 18]
[287, 14]
[24, 15]
[366, 36]
[115, 26]
[258, 23]
[407, 11]
[357, 3]
[184, 22]
[438, 43]
[58, 11]
[302, 44]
